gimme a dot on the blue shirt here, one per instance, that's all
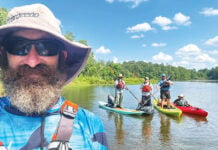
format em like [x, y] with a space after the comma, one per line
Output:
[18, 131]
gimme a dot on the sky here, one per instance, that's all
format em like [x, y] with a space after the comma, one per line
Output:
[175, 32]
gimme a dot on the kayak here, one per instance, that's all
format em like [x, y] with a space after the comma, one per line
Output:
[124, 111]
[173, 111]
[193, 110]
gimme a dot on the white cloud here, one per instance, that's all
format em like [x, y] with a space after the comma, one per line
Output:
[115, 60]
[103, 50]
[191, 56]
[181, 19]
[143, 27]
[164, 22]
[188, 50]
[158, 44]
[169, 27]
[209, 12]
[204, 58]
[212, 42]
[214, 52]
[135, 3]
[161, 57]
[137, 36]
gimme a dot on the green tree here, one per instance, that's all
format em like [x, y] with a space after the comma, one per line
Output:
[3, 16]
[69, 35]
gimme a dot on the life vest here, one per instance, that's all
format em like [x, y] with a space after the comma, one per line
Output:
[146, 88]
[120, 85]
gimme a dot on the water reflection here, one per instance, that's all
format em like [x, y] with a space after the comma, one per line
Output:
[195, 117]
[147, 127]
[164, 128]
[118, 121]
[83, 95]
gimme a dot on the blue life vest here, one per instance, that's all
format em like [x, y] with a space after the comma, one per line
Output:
[164, 87]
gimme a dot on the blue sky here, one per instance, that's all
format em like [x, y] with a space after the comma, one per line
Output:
[177, 32]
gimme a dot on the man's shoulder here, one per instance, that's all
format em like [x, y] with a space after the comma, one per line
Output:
[85, 114]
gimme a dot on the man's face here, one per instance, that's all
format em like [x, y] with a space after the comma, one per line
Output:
[32, 59]
[32, 81]
[163, 77]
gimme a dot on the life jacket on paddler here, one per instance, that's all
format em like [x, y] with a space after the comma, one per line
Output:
[61, 137]
[120, 84]
[146, 87]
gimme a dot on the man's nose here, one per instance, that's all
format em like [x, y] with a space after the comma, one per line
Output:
[32, 59]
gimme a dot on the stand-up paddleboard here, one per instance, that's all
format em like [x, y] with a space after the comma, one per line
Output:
[124, 111]
[173, 111]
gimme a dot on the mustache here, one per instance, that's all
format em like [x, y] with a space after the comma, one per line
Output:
[21, 73]
[40, 69]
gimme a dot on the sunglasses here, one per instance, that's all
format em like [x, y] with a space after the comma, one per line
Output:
[21, 46]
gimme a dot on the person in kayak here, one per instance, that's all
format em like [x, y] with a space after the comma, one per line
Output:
[181, 101]
[36, 61]
[119, 88]
[146, 89]
[164, 86]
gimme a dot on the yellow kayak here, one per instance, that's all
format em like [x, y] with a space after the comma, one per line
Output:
[173, 111]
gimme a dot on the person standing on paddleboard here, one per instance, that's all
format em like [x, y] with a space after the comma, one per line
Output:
[164, 86]
[119, 88]
[146, 89]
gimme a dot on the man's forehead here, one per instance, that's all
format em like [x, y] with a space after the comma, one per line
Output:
[31, 34]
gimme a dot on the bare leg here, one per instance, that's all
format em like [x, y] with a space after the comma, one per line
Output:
[168, 103]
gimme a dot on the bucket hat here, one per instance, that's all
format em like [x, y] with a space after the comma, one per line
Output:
[120, 76]
[181, 95]
[40, 17]
[146, 78]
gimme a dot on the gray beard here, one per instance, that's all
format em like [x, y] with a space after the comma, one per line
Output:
[33, 95]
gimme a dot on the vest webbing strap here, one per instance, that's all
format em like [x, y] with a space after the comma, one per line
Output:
[65, 126]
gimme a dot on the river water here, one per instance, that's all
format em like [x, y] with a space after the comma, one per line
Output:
[157, 131]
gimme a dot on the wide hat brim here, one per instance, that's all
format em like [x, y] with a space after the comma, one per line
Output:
[77, 53]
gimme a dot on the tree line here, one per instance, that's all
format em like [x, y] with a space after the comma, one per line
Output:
[141, 69]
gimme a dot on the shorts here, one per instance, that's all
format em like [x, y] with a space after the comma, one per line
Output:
[165, 95]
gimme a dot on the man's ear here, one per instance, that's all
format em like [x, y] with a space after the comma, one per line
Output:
[3, 58]
[65, 54]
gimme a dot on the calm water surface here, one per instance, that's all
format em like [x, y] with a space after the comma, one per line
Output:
[156, 131]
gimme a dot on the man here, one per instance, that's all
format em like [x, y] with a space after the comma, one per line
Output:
[181, 101]
[119, 88]
[164, 86]
[146, 89]
[36, 62]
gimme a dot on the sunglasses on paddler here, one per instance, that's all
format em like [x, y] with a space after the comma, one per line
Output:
[21, 46]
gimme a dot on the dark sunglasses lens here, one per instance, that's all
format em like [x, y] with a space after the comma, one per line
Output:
[47, 48]
[16, 47]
